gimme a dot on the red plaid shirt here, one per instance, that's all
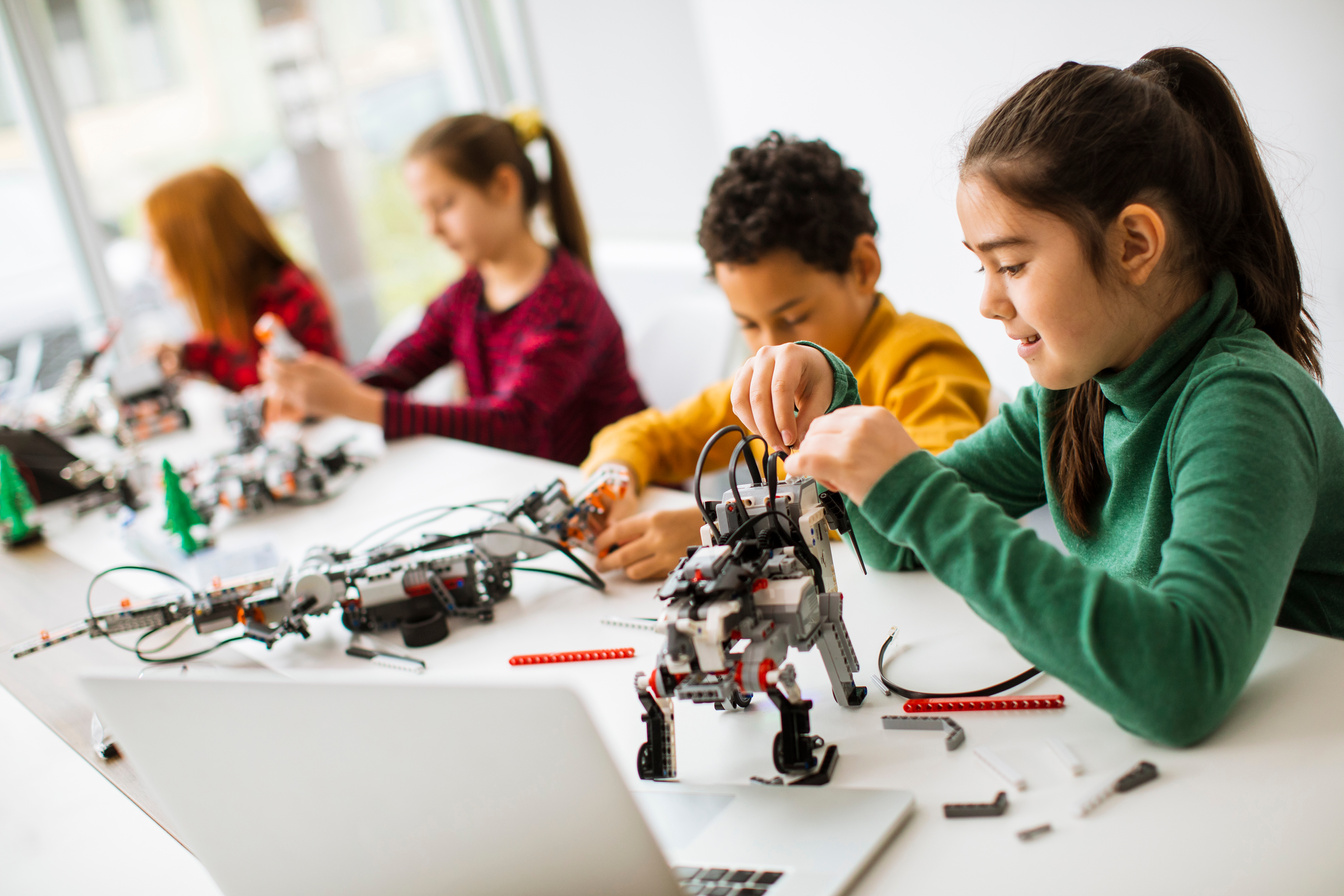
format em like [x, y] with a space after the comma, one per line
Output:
[295, 300]
[542, 377]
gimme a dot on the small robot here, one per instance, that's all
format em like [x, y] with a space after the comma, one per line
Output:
[574, 522]
[269, 474]
[762, 582]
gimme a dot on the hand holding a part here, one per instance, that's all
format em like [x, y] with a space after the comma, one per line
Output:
[783, 392]
[648, 545]
[314, 385]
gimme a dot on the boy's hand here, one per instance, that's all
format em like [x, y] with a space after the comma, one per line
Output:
[314, 385]
[775, 381]
[648, 545]
[850, 449]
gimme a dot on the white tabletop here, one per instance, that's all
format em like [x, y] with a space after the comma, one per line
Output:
[1257, 808]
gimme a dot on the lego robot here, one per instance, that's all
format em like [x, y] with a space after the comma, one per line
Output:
[269, 474]
[414, 587]
[762, 582]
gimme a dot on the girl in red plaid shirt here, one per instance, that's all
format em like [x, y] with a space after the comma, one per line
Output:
[543, 356]
[216, 252]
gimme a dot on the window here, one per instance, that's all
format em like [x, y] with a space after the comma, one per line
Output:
[42, 294]
[310, 102]
[145, 54]
[71, 58]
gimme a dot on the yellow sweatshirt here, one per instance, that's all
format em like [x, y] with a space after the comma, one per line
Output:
[917, 368]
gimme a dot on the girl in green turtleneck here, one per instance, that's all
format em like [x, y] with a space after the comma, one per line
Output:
[1134, 249]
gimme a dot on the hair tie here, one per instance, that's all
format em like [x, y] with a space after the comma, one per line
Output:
[1155, 72]
[526, 124]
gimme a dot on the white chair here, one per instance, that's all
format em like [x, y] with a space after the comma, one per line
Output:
[690, 344]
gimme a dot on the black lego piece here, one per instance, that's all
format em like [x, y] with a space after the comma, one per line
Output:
[794, 744]
[977, 810]
[1141, 774]
[829, 760]
[654, 759]
[425, 631]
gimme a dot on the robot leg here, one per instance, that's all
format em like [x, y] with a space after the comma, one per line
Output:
[795, 743]
[658, 754]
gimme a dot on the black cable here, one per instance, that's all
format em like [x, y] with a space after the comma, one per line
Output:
[88, 595]
[555, 572]
[751, 468]
[920, 695]
[700, 471]
[442, 511]
[592, 579]
[772, 484]
[753, 520]
[183, 657]
[171, 641]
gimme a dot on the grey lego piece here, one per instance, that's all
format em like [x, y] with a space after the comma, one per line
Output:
[840, 663]
[955, 735]
[1032, 833]
[977, 810]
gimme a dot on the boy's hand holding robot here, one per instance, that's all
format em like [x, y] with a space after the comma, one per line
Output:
[783, 392]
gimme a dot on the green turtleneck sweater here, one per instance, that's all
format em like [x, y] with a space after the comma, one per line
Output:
[1225, 514]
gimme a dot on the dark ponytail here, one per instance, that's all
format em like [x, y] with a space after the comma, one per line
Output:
[472, 147]
[1082, 142]
[563, 200]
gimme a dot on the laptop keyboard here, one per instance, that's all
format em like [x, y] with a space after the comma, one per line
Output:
[724, 881]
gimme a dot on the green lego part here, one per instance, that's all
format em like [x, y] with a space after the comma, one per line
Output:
[182, 516]
[16, 503]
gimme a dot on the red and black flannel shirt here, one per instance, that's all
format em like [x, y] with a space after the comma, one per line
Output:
[542, 377]
[292, 297]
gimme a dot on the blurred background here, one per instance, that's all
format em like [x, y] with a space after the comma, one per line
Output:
[312, 103]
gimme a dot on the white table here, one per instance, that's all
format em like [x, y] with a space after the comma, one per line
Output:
[1257, 808]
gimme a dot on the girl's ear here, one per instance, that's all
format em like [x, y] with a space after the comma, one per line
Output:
[865, 264]
[505, 186]
[1139, 236]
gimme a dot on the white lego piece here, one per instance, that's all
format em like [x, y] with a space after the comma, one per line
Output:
[1001, 768]
[1065, 755]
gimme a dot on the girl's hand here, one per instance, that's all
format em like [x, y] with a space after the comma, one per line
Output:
[781, 390]
[648, 545]
[314, 385]
[850, 449]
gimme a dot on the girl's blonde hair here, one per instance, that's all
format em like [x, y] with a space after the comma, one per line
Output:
[218, 248]
[472, 147]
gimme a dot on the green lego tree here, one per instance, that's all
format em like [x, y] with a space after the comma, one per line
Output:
[16, 503]
[182, 517]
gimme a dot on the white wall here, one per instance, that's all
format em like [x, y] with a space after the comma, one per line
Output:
[652, 95]
[623, 84]
[897, 87]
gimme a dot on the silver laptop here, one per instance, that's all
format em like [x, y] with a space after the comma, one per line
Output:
[337, 786]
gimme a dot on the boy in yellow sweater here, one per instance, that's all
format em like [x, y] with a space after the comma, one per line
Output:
[789, 235]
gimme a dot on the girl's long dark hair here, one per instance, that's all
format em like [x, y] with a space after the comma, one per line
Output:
[472, 147]
[1082, 142]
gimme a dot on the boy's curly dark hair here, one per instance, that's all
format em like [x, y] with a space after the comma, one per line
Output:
[786, 193]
